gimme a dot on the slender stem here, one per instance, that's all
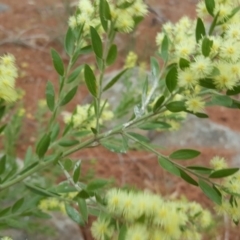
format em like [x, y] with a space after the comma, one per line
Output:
[176, 164]
[108, 43]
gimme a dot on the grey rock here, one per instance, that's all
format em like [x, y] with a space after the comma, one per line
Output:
[63, 229]
[4, 7]
[202, 133]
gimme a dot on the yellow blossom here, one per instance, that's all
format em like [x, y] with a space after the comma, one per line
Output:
[195, 104]
[218, 163]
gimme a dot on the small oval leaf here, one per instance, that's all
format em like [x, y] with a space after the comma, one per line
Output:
[69, 96]
[43, 145]
[171, 79]
[50, 96]
[96, 42]
[57, 62]
[210, 192]
[112, 55]
[223, 173]
[184, 154]
[167, 165]
[90, 80]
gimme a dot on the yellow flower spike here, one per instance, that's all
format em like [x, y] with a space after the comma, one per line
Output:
[131, 60]
[21, 112]
[101, 229]
[137, 232]
[6, 238]
[202, 66]
[195, 104]
[218, 163]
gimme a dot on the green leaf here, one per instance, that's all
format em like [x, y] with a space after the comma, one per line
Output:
[40, 191]
[221, 100]
[69, 41]
[200, 30]
[43, 145]
[42, 215]
[210, 192]
[171, 79]
[77, 172]
[168, 166]
[155, 68]
[215, 72]
[83, 208]
[114, 80]
[5, 211]
[17, 205]
[115, 145]
[50, 96]
[28, 157]
[100, 63]
[2, 111]
[125, 5]
[82, 133]
[94, 131]
[69, 96]
[210, 5]
[2, 164]
[199, 115]
[74, 214]
[80, 51]
[206, 46]
[90, 80]
[183, 63]
[207, 83]
[164, 48]
[57, 62]
[187, 178]
[234, 91]
[223, 173]
[122, 233]
[96, 42]
[55, 132]
[75, 74]
[84, 194]
[27, 168]
[68, 143]
[176, 106]
[97, 184]
[139, 137]
[112, 54]
[68, 164]
[105, 15]
[158, 104]
[200, 169]
[154, 125]
[2, 128]
[184, 154]
[137, 20]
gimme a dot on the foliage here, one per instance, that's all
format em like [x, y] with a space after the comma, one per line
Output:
[199, 67]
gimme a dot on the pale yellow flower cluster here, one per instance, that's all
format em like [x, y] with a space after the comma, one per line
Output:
[51, 204]
[84, 116]
[230, 185]
[161, 219]
[124, 17]
[174, 119]
[54, 204]
[131, 60]
[123, 13]
[221, 67]
[8, 75]
[86, 16]
[6, 238]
